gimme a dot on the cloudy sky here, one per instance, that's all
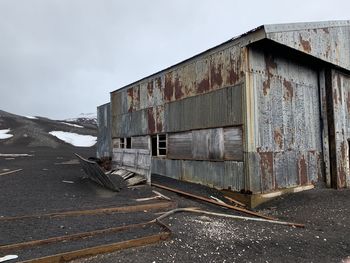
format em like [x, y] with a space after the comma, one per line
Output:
[59, 58]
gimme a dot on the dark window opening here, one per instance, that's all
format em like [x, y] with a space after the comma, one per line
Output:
[161, 144]
[154, 145]
[128, 143]
[122, 143]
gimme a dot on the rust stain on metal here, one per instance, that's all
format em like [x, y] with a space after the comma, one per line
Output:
[348, 101]
[341, 170]
[233, 76]
[277, 134]
[203, 86]
[178, 88]
[288, 95]
[302, 170]
[151, 121]
[150, 89]
[270, 66]
[159, 119]
[216, 75]
[266, 167]
[169, 87]
[305, 44]
[130, 99]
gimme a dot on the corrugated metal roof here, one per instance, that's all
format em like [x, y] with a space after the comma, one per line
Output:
[266, 31]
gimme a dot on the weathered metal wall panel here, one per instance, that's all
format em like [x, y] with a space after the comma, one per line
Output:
[180, 145]
[287, 126]
[140, 142]
[325, 41]
[219, 108]
[104, 138]
[130, 124]
[221, 175]
[207, 144]
[341, 114]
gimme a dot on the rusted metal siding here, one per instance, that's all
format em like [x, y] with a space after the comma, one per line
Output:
[341, 128]
[220, 175]
[130, 124]
[216, 109]
[180, 145]
[104, 139]
[328, 41]
[286, 144]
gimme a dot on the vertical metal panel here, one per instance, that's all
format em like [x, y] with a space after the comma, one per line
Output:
[234, 176]
[233, 143]
[159, 166]
[200, 145]
[180, 145]
[104, 138]
[156, 122]
[328, 43]
[219, 108]
[174, 169]
[288, 121]
[341, 112]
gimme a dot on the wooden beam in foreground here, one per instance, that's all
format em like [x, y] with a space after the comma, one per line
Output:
[92, 251]
[243, 210]
[69, 237]
[120, 209]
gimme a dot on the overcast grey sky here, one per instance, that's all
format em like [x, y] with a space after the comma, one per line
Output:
[59, 58]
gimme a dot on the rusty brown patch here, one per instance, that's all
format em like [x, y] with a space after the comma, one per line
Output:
[151, 121]
[302, 170]
[335, 96]
[130, 99]
[266, 86]
[288, 94]
[158, 82]
[150, 89]
[305, 44]
[168, 87]
[233, 75]
[159, 119]
[342, 166]
[203, 86]
[178, 88]
[266, 168]
[216, 75]
[277, 134]
[315, 30]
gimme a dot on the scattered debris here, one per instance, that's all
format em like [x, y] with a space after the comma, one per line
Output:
[10, 172]
[214, 202]
[217, 199]
[8, 257]
[68, 182]
[158, 196]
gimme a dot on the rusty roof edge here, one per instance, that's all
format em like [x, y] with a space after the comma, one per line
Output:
[275, 28]
[104, 104]
[233, 40]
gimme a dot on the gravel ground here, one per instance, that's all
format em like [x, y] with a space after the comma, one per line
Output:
[39, 189]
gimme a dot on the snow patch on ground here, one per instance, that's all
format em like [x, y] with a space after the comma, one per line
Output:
[4, 134]
[31, 117]
[75, 139]
[73, 125]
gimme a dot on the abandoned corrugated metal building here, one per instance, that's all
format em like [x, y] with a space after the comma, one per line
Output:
[264, 111]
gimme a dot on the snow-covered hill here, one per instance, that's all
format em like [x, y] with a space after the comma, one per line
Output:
[43, 132]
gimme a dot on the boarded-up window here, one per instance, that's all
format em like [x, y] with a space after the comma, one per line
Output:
[140, 142]
[208, 144]
[180, 145]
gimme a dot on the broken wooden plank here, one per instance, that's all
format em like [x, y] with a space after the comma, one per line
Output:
[243, 210]
[11, 172]
[92, 251]
[234, 201]
[121, 209]
[196, 210]
[77, 236]
[137, 179]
